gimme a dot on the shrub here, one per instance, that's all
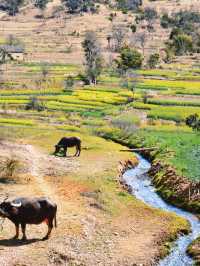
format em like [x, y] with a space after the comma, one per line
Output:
[11, 6]
[185, 31]
[193, 121]
[126, 5]
[129, 59]
[153, 60]
[133, 28]
[182, 44]
[41, 4]
[10, 167]
[76, 6]
[68, 83]
[35, 104]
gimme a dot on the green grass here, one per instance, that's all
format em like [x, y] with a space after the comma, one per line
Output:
[11, 121]
[177, 87]
[177, 147]
[177, 74]
[175, 113]
[172, 102]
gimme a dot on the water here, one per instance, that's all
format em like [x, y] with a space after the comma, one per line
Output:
[138, 179]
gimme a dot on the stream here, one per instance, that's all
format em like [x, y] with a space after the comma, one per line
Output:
[143, 190]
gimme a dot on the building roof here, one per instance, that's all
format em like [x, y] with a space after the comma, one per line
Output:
[12, 48]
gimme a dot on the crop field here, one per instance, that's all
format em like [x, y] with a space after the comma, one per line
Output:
[157, 120]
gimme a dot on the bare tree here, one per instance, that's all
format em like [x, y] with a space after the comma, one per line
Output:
[118, 36]
[141, 38]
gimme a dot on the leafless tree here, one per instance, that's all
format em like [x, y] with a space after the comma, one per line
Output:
[141, 38]
[118, 36]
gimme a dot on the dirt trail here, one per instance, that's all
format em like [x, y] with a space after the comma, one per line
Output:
[41, 164]
[38, 165]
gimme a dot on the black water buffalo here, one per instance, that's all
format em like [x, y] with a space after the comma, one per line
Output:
[22, 211]
[64, 143]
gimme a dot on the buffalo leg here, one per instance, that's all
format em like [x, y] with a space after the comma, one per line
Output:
[23, 231]
[78, 150]
[17, 231]
[65, 151]
[50, 226]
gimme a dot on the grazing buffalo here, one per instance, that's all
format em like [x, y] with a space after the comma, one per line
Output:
[22, 211]
[64, 143]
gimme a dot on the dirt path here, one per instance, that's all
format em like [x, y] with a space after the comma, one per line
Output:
[41, 165]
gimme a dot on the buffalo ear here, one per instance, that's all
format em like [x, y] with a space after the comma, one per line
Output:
[11, 210]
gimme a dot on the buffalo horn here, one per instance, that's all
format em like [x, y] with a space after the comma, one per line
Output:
[17, 205]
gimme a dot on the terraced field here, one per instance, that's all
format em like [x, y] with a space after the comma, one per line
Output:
[168, 103]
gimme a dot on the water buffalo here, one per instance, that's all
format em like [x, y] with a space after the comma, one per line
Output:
[64, 143]
[22, 211]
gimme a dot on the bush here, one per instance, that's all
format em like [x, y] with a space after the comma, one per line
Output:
[193, 121]
[185, 31]
[68, 83]
[41, 4]
[129, 59]
[35, 104]
[77, 6]
[153, 60]
[166, 21]
[133, 28]
[126, 5]
[11, 6]
[182, 44]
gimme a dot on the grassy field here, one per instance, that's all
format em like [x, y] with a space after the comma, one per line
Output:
[159, 121]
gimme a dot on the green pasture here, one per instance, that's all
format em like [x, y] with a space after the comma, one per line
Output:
[173, 86]
[173, 102]
[175, 113]
[176, 145]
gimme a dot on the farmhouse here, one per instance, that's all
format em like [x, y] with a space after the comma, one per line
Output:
[16, 51]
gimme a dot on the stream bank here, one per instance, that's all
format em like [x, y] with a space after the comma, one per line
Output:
[142, 188]
[173, 188]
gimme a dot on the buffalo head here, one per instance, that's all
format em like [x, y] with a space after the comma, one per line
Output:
[57, 148]
[8, 208]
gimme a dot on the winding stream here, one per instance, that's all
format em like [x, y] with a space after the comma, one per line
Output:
[140, 182]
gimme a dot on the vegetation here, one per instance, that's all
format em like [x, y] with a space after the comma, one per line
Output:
[41, 4]
[75, 6]
[184, 35]
[93, 57]
[153, 60]
[35, 104]
[11, 6]
[193, 121]
[129, 59]
[126, 5]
